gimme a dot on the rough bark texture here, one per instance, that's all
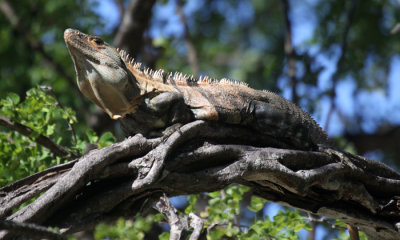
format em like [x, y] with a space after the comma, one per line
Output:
[129, 177]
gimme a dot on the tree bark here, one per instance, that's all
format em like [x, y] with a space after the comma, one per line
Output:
[135, 21]
[127, 178]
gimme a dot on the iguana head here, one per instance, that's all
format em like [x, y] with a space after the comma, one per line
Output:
[101, 73]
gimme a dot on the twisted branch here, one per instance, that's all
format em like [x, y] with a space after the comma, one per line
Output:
[204, 157]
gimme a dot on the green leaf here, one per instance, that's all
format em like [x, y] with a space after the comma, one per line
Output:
[192, 200]
[92, 136]
[214, 201]
[214, 194]
[160, 42]
[50, 129]
[106, 139]
[14, 98]
[256, 204]
[298, 227]
[257, 228]
[158, 217]
[164, 236]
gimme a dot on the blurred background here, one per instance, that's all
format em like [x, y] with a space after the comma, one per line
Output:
[338, 60]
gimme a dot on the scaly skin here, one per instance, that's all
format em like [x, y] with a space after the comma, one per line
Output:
[156, 100]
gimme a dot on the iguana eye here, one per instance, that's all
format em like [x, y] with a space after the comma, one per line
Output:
[98, 41]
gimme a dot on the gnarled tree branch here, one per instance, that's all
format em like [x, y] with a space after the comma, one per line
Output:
[203, 157]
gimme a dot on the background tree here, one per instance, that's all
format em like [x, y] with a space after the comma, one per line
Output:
[336, 59]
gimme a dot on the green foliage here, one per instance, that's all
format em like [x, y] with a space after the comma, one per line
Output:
[106, 139]
[20, 155]
[256, 204]
[224, 205]
[366, 60]
[230, 42]
[125, 229]
[223, 212]
[285, 225]
[192, 200]
[23, 67]
[39, 111]
[164, 236]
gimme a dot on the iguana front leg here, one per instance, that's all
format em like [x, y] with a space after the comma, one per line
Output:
[172, 106]
[155, 111]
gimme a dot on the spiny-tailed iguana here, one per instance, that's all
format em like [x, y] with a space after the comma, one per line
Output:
[120, 86]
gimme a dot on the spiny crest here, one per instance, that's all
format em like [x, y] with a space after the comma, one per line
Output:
[177, 77]
[230, 81]
[137, 67]
[207, 80]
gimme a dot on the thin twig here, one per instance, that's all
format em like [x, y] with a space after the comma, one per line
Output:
[56, 149]
[395, 29]
[323, 220]
[197, 224]
[311, 234]
[179, 225]
[353, 232]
